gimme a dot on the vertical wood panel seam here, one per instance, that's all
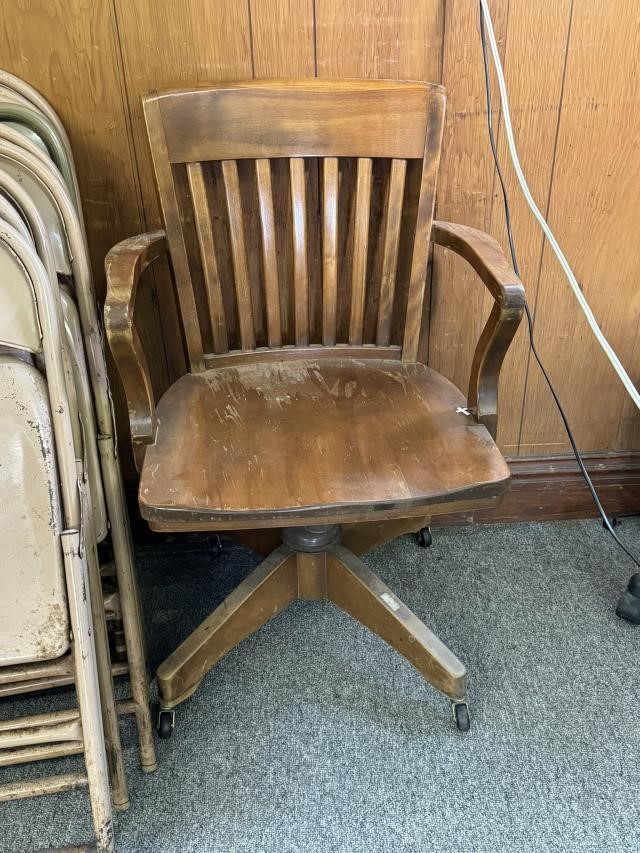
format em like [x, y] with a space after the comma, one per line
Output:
[546, 216]
[315, 39]
[498, 132]
[122, 84]
[490, 206]
[126, 106]
[425, 343]
[133, 155]
[250, 22]
[443, 29]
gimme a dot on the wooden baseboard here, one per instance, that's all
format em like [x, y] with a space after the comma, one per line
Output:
[543, 488]
[548, 488]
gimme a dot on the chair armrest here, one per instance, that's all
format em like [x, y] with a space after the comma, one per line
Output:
[487, 258]
[124, 265]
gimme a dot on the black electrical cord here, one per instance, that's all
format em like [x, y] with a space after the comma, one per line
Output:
[514, 261]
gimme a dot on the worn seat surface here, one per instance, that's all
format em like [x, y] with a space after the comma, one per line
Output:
[314, 439]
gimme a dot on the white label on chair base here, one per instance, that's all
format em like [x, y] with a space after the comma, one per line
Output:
[390, 601]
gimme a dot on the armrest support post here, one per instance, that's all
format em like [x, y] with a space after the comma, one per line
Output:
[124, 266]
[485, 255]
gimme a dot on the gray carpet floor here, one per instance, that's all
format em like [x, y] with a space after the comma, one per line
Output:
[314, 736]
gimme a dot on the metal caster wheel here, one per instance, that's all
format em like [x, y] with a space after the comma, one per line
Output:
[424, 537]
[629, 602]
[634, 585]
[461, 716]
[629, 608]
[166, 724]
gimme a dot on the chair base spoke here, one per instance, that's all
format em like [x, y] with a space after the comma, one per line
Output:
[335, 574]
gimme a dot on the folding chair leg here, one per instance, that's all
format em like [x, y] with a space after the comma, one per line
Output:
[119, 790]
[129, 600]
[88, 693]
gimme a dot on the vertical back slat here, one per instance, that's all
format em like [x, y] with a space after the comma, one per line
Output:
[329, 249]
[239, 253]
[360, 245]
[300, 272]
[390, 243]
[175, 237]
[269, 256]
[204, 231]
[417, 281]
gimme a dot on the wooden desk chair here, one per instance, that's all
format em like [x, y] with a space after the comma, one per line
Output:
[298, 219]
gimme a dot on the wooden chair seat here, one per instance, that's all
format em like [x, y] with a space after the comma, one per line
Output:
[307, 441]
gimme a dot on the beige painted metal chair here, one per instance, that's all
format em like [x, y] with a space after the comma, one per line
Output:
[42, 189]
[36, 126]
[48, 524]
[40, 196]
[24, 677]
[12, 84]
[55, 235]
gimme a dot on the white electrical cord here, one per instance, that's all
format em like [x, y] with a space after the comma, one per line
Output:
[604, 343]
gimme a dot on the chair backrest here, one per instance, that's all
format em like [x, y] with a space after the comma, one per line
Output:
[19, 324]
[41, 196]
[298, 213]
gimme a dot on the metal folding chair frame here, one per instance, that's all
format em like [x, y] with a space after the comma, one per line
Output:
[21, 87]
[78, 579]
[111, 474]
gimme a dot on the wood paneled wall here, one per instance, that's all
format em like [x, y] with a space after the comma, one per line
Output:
[572, 72]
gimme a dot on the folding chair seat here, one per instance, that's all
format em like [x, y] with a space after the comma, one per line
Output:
[33, 602]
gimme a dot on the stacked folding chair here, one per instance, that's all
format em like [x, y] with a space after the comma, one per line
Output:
[61, 489]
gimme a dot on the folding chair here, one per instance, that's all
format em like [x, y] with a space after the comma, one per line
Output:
[33, 123]
[83, 432]
[21, 87]
[37, 177]
[47, 530]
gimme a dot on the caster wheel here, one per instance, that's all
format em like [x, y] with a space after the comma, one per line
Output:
[424, 537]
[461, 716]
[634, 585]
[629, 608]
[166, 724]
